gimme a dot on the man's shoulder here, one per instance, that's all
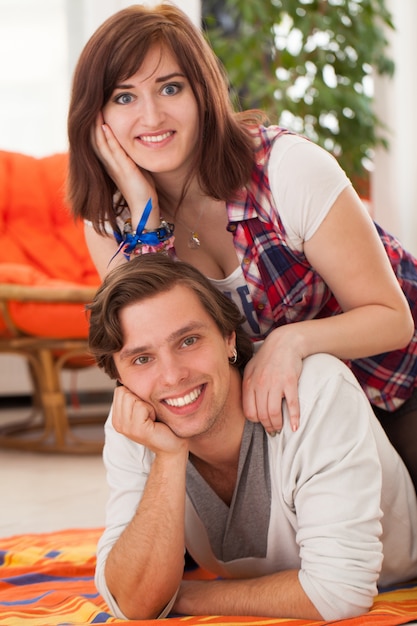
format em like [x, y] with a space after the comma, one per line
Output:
[331, 401]
[320, 370]
[326, 362]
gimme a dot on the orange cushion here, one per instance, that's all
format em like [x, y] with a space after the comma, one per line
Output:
[55, 320]
[41, 243]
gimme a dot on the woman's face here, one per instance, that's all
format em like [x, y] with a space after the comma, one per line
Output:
[154, 115]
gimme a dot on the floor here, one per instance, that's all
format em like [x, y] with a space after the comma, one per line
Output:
[43, 492]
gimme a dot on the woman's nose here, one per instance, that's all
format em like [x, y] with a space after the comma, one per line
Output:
[151, 112]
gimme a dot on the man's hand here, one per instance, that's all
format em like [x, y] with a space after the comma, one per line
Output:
[136, 419]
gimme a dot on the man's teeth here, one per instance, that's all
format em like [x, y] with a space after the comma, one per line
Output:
[155, 138]
[188, 399]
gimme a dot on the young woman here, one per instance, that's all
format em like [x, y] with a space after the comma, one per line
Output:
[267, 215]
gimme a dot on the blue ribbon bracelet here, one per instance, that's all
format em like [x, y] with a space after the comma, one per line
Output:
[129, 241]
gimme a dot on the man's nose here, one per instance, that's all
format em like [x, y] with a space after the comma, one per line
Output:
[172, 371]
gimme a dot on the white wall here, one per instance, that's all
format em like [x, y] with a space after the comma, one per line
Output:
[84, 16]
[33, 76]
[394, 183]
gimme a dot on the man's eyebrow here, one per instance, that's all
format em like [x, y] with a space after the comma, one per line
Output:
[160, 79]
[194, 326]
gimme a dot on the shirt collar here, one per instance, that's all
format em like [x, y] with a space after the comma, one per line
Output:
[240, 208]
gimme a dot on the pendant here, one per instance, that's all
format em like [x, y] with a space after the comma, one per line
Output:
[194, 241]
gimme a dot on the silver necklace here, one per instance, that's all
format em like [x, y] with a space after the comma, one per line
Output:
[193, 241]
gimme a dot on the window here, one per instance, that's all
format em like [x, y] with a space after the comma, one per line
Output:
[34, 83]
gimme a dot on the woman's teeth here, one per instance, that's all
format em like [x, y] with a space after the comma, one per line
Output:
[155, 138]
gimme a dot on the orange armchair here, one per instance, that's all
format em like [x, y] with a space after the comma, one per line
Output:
[46, 278]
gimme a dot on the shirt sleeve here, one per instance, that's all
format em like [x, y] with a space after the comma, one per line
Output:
[305, 181]
[127, 466]
[332, 481]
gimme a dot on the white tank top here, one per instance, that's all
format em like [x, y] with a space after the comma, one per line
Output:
[234, 287]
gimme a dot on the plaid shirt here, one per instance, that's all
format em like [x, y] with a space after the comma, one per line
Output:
[285, 288]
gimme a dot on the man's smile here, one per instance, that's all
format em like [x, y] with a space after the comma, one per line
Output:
[185, 400]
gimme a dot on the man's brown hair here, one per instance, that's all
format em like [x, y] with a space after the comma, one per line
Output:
[142, 278]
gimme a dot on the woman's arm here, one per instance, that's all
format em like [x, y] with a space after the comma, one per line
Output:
[102, 250]
[348, 254]
[135, 186]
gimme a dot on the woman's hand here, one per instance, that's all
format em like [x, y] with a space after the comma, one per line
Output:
[270, 377]
[348, 254]
[135, 185]
[136, 420]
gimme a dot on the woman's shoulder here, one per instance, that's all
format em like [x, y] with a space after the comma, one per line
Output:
[264, 137]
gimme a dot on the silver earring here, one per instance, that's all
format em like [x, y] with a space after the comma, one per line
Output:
[233, 358]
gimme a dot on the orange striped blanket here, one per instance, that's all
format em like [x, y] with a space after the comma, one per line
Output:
[47, 580]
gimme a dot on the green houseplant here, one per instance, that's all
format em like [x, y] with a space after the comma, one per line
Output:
[309, 65]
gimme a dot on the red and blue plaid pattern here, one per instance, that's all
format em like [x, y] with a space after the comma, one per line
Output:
[285, 288]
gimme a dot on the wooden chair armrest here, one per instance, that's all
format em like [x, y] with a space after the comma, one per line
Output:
[29, 293]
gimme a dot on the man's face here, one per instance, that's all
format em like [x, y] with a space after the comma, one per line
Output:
[175, 358]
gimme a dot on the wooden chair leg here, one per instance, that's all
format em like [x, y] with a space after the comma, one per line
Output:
[53, 430]
[52, 401]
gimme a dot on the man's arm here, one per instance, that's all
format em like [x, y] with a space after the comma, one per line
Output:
[144, 567]
[275, 595]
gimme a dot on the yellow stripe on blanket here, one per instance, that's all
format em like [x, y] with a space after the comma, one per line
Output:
[48, 580]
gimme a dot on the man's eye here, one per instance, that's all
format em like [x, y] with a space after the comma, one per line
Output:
[123, 98]
[142, 360]
[190, 341]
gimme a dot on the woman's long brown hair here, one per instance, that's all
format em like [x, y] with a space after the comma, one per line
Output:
[224, 154]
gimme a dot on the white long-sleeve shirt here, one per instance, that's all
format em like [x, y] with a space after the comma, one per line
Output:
[320, 509]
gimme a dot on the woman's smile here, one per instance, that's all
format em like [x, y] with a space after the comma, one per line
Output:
[154, 139]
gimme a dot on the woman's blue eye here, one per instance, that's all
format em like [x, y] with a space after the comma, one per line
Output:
[124, 98]
[171, 89]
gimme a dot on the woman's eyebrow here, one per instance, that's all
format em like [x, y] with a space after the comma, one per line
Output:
[160, 79]
[124, 86]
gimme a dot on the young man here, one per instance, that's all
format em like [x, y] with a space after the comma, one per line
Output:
[304, 524]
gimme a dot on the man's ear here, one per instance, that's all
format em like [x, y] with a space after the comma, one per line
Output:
[231, 343]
